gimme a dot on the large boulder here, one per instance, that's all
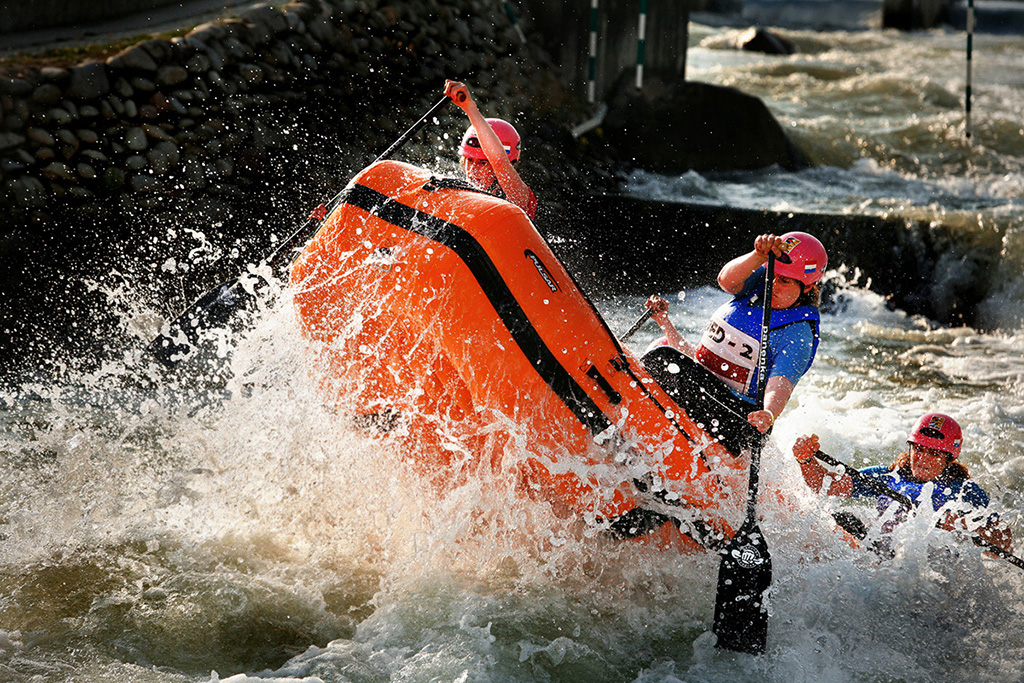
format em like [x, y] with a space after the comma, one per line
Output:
[700, 127]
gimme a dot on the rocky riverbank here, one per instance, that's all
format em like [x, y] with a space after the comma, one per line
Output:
[180, 159]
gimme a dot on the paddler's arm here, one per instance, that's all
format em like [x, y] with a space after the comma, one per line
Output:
[994, 530]
[997, 533]
[734, 274]
[508, 178]
[660, 316]
[776, 396]
[814, 472]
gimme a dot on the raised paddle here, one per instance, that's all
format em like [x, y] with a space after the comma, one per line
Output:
[218, 306]
[638, 324]
[880, 487]
[741, 618]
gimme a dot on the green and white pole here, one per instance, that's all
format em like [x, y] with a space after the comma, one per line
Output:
[640, 40]
[970, 47]
[515, 21]
[592, 58]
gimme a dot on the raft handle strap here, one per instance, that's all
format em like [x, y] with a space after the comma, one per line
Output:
[595, 374]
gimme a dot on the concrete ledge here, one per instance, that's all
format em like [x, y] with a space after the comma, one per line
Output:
[618, 244]
[41, 14]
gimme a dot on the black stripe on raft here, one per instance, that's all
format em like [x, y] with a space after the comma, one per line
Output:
[497, 292]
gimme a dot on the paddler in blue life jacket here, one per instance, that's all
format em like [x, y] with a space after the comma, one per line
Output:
[930, 462]
[729, 346]
[489, 153]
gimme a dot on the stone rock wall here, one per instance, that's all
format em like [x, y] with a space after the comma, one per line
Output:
[177, 115]
[158, 171]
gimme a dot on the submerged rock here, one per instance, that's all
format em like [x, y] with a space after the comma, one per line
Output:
[700, 127]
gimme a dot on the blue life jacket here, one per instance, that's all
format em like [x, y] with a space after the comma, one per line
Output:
[729, 345]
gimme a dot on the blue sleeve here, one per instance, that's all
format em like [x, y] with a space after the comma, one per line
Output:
[862, 490]
[791, 348]
[974, 494]
[755, 281]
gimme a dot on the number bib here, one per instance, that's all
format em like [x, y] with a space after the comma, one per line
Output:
[729, 353]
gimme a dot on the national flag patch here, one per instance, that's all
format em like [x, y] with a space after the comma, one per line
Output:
[810, 267]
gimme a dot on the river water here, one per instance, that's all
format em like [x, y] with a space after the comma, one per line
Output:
[151, 533]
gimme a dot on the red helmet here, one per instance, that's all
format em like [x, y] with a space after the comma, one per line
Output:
[938, 431]
[807, 258]
[505, 131]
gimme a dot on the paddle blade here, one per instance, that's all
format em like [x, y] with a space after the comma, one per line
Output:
[215, 309]
[741, 617]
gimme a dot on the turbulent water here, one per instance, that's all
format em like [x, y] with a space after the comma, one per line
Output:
[149, 532]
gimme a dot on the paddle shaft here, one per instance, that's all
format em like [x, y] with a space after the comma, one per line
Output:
[745, 574]
[313, 224]
[638, 324]
[879, 487]
[220, 304]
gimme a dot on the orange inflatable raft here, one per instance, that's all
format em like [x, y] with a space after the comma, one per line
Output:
[440, 316]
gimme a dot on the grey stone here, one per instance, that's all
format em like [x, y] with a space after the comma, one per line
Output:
[157, 133]
[27, 191]
[88, 111]
[88, 81]
[58, 116]
[143, 84]
[58, 170]
[208, 33]
[198, 63]
[267, 16]
[85, 171]
[41, 137]
[162, 157]
[135, 162]
[11, 140]
[144, 182]
[236, 50]
[17, 87]
[54, 74]
[116, 104]
[95, 155]
[47, 93]
[68, 137]
[123, 88]
[171, 75]
[251, 73]
[88, 136]
[113, 178]
[159, 49]
[135, 139]
[134, 58]
[225, 167]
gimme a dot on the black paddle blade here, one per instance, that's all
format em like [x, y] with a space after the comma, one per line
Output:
[741, 618]
[215, 309]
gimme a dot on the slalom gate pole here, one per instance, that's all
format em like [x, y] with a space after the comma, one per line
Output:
[967, 88]
[510, 13]
[592, 54]
[641, 39]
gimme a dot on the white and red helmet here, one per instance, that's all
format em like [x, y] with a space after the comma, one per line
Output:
[807, 258]
[506, 133]
[938, 431]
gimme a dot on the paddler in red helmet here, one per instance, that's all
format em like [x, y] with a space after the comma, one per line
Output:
[931, 460]
[489, 153]
[728, 349]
